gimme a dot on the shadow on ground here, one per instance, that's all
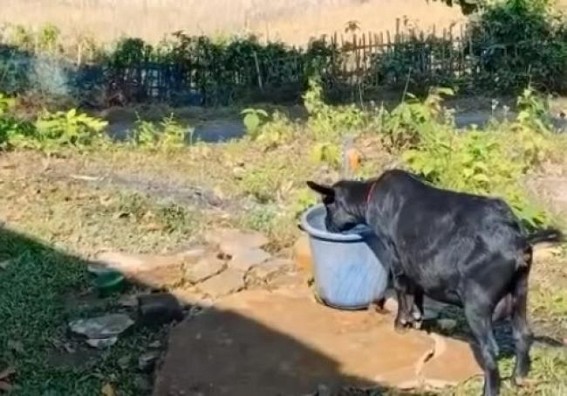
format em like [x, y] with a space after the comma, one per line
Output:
[43, 288]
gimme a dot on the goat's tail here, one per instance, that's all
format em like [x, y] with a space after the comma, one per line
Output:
[550, 235]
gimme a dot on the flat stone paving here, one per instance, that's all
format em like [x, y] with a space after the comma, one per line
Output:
[266, 343]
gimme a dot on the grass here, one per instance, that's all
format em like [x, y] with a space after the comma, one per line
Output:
[64, 207]
[42, 290]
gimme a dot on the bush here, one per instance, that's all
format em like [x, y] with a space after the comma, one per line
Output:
[166, 135]
[520, 42]
[423, 133]
[490, 162]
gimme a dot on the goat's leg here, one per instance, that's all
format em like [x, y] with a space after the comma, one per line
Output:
[405, 302]
[479, 318]
[520, 328]
[417, 309]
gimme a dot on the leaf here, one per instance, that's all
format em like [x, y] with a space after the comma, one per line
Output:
[445, 91]
[251, 122]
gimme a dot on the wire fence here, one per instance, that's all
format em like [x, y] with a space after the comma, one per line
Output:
[196, 72]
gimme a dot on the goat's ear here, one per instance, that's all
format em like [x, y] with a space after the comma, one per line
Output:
[321, 189]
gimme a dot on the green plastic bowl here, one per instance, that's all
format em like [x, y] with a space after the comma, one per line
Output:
[109, 283]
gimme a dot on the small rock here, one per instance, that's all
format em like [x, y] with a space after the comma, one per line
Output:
[227, 282]
[128, 301]
[147, 361]
[155, 345]
[447, 325]
[4, 264]
[243, 260]
[102, 327]
[391, 305]
[323, 390]
[231, 241]
[158, 309]
[302, 255]
[124, 362]
[430, 314]
[16, 346]
[102, 343]
[271, 267]
[108, 390]
[205, 268]
[142, 384]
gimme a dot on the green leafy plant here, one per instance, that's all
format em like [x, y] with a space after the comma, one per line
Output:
[519, 42]
[51, 131]
[303, 199]
[253, 119]
[68, 129]
[328, 153]
[325, 120]
[413, 119]
[166, 135]
[10, 128]
[481, 162]
[277, 131]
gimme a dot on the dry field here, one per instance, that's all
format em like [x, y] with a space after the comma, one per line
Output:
[294, 22]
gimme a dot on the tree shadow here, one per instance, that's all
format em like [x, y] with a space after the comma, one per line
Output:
[43, 288]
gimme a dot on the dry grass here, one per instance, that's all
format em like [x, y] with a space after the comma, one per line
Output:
[106, 20]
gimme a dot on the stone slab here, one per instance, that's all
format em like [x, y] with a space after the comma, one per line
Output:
[262, 343]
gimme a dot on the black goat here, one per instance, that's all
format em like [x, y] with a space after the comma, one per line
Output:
[462, 249]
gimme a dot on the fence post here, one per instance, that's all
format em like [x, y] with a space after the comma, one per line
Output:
[257, 64]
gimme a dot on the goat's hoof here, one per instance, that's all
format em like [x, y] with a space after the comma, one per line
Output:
[400, 328]
[417, 324]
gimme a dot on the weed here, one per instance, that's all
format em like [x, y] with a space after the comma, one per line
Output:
[168, 135]
[325, 121]
[176, 218]
[10, 128]
[412, 119]
[68, 129]
[327, 153]
[253, 119]
[276, 131]
[264, 182]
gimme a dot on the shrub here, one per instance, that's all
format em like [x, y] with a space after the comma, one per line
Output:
[485, 162]
[50, 131]
[519, 42]
[166, 135]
